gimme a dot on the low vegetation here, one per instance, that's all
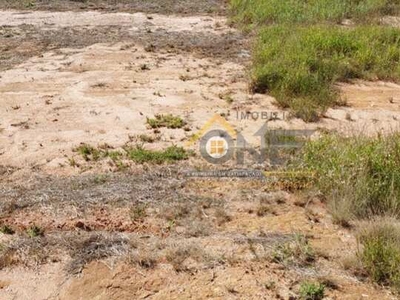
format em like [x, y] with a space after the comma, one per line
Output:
[380, 254]
[168, 120]
[300, 54]
[138, 154]
[303, 76]
[359, 175]
[294, 253]
[170, 154]
[312, 291]
[261, 12]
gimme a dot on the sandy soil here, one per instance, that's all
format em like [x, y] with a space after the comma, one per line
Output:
[94, 77]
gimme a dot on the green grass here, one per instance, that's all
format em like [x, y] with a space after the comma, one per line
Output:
[299, 66]
[359, 175]
[169, 121]
[380, 254]
[300, 52]
[256, 12]
[311, 291]
[170, 154]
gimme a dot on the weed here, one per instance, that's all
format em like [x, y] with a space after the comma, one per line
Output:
[169, 121]
[88, 152]
[297, 252]
[138, 212]
[311, 291]
[35, 231]
[380, 254]
[5, 229]
[171, 154]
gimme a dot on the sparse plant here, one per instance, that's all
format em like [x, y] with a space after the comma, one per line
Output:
[88, 152]
[296, 252]
[168, 120]
[311, 291]
[35, 231]
[171, 154]
[380, 254]
[138, 212]
[5, 229]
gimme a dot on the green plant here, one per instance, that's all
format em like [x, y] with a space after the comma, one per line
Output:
[380, 254]
[259, 12]
[88, 152]
[171, 154]
[299, 66]
[311, 291]
[169, 121]
[35, 231]
[5, 229]
[360, 176]
[296, 252]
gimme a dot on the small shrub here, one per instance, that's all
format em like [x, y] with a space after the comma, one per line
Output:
[312, 291]
[169, 121]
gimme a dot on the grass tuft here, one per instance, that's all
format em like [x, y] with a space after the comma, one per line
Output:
[380, 254]
[359, 175]
[169, 121]
[171, 154]
[312, 291]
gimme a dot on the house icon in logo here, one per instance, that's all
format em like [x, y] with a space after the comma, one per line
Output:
[216, 145]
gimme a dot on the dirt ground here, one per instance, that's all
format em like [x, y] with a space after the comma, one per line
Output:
[74, 72]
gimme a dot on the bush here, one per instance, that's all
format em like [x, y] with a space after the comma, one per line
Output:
[300, 65]
[359, 175]
[380, 255]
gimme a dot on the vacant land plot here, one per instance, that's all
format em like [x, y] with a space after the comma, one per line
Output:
[99, 101]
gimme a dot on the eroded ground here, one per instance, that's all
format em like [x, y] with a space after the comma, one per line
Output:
[95, 76]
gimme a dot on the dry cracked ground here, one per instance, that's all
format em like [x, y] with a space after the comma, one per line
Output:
[74, 73]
